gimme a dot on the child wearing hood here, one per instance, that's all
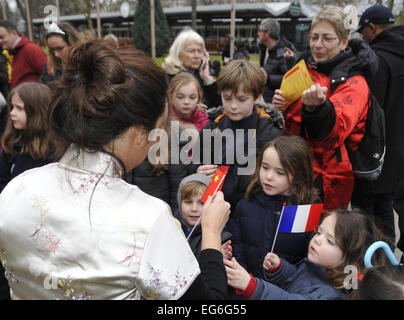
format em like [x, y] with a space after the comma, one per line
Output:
[190, 192]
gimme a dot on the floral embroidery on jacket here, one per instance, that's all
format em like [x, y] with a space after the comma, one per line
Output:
[69, 292]
[156, 285]
[92, 179]
[48, 240]
[134, 254]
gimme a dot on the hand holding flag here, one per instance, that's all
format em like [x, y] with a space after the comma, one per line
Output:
[214, 186]
[216, 183]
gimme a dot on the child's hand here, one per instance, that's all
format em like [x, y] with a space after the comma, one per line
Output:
[227, 250]
[237, 276]
[202, 107]
[207, 169]
[271, 261]
[278, 100]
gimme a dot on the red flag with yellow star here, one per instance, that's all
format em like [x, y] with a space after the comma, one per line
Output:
[216, 183]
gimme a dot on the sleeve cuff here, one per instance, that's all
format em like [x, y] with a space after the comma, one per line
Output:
[208, 81]
[277, 268]
[247, 292]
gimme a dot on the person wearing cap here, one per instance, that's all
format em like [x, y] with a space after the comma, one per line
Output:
[59, 38]
[387, 40]
[28, 58]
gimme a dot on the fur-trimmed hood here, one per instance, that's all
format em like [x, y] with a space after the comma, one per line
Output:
[275, 114]
[172, 69]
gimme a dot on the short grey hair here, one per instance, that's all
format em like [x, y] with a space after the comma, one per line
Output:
[272, 26]
[185, 37]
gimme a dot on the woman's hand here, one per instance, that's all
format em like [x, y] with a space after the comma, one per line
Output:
[227, 250]
[289, 54]
[204, 71]
[214, 216]
[271, 261]
[207, 169]
[314, 96]
[237, 276]
[278, 100]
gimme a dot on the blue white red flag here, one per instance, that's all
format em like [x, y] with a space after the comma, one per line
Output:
[301, 218]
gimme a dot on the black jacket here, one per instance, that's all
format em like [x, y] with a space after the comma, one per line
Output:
[253, 228]
[12, 165]
[195, 240]
[236, 182]
[388, 87]
[275, 65]
[163, 186]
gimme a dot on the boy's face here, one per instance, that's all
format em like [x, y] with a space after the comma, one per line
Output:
[240, 105]
[192, 209]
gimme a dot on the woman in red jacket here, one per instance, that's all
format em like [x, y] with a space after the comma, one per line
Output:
[333, 111]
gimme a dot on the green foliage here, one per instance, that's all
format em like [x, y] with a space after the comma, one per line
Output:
[141, 28]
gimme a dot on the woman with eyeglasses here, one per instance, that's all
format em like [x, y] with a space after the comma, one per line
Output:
[59, 38]
[188, 54]
[332, 113]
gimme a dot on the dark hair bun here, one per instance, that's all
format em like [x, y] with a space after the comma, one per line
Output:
[103, 92]
[97, 75]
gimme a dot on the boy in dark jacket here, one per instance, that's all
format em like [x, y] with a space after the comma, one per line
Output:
[190, 192]
[237, 135]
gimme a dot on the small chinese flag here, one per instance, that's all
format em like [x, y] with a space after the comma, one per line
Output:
[216, 183]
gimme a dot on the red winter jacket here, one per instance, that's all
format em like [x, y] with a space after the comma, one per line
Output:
[342, 117]
[28, 62]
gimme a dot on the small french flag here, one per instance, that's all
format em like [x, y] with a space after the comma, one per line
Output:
[302, 218]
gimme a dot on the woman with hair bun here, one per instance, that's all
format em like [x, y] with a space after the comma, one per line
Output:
[74, 229]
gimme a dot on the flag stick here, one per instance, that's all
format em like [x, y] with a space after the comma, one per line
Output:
[276, 234]
[212, 198]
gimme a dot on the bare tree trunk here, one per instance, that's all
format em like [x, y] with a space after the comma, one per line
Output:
[152, 30]
[3, 8]
[97, 4]
[28, 20]
[232, 27]
[194, 23]
[84, 6]
[57, 11]
[391, 4]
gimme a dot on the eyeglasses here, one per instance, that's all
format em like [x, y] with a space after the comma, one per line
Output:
[327, 41]
[58, 49]
[194, 51]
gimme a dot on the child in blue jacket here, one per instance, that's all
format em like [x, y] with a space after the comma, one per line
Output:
[341, 240]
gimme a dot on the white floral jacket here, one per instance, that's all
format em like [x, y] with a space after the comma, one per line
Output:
[76, 230]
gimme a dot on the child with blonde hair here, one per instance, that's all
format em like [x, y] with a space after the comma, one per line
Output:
[184, 95]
